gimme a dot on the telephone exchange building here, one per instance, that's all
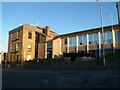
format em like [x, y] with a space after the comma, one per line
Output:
[29, 42]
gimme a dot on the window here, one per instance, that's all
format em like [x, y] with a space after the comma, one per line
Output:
[93, 39]
[117, 36]
[72, 42]
[10, 57]
[18, 58]
[10, 47]
[107, 37]
[18, 34]
[37, 38]
[29, 47]
[82, 40]
[17, 46]
[30, 35]
[64, 42]
[11, 37]
[96, 40]
[29, 57]
[49, 45]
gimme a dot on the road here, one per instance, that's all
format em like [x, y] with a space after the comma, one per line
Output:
[20, 78]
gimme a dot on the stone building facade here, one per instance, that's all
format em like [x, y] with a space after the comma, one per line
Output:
[3, 56]
[88, 41]
[29, 42]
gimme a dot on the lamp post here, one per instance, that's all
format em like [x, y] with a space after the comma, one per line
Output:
[118, 11]
[102, 39]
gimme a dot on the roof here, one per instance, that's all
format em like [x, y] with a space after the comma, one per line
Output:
[87, 30]
[21, 27]
[74, 33]
[42, 33]
[16, 29]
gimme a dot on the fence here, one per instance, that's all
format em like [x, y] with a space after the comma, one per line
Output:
[61, 63]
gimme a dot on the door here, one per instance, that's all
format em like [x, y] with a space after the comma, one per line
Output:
[17, 58]
[28, 57]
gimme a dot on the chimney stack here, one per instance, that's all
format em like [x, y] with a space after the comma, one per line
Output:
[47, 30]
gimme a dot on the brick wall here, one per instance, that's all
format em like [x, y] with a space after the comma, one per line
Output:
[72, 49]
[64, 49]
[27, 41]
[56, 48]
[93, 47]
[117, 45]
[41, 50]
[82, 48]
[13, 42]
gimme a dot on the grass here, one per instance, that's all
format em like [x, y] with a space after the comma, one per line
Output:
[110, 57]
[114, 56]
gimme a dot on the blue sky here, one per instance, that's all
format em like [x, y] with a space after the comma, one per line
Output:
[62, 17]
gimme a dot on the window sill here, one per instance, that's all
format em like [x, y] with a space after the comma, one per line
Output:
[15, 39]
[14, 52]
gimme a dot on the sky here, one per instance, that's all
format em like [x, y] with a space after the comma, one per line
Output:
[62, 17]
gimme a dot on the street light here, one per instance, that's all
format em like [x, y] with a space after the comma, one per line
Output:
[101, 20]
[118, 11]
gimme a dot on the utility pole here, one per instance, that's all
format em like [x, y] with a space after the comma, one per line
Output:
[102, 40]
[113, 34]
[118, 11]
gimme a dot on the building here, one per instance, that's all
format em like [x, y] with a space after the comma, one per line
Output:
[29, 42]
[87, 41]
[3, 56]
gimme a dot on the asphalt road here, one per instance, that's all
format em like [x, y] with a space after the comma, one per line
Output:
[20, 78]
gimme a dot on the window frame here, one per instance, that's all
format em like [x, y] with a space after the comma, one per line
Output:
[29, 49]
[17, 46]
[29, 35]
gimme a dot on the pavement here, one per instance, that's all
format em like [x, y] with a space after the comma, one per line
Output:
[23, 78]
